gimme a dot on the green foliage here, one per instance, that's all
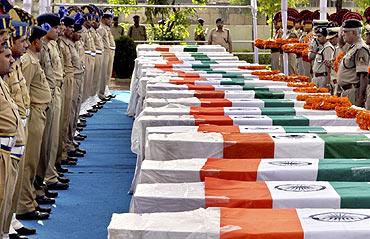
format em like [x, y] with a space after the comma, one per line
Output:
[124, 59]
[125, 10]
[176, 21]
[362, 5]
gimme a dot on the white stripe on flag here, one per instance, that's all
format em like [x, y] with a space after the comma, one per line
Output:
[334, 224]
[259, 129]
[292, 169]
[298, 145]
[251, 120]
[303, 194]
[242, 110]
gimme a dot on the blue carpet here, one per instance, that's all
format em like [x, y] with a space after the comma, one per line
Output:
[100, 181]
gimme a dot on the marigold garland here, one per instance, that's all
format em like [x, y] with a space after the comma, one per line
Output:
[292, 78]
[301, 84]
[296, 48]
[306, 96]
[326, 102]
[347, 112]
[338, 60]
[273, 43]
[363, 119]
[311, 90]
[264, 73]
[253, 67]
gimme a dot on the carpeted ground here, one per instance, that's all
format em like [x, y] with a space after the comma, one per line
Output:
[100, 181]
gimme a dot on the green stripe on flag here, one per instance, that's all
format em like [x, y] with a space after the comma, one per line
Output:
[246, 87]
[344, 170]
[210, 71]
[278, 111]
[209, 61]
[201, 66]
[232, 75]
[190, 49]
[353, 194]
[346, 146]
[289, 120]
[232, 82]
[304, 129]
[269, 95]
[278, 103]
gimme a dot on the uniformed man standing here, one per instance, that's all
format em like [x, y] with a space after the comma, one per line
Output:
[220, 36]
[352, 73]
[304, 67]
[137, 32]
[292, 34]
[333, 38]
[321, 72]
[276, 56]
[200, 33]
[10, 121]
[108, 54]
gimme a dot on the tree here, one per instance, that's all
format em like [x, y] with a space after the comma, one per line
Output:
[169, 24]
[362, 5]
[125, 10]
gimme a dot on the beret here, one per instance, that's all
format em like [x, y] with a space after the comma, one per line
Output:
[19, 28]
[352, 23]
[4, 21]
[37, 33]
[51, 19]
[68, 21]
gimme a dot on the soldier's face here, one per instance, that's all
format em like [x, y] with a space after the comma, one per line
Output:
[68, 31]
[348, 36]
[20, 46]
[38, 45]
[6, 61]
[4, 36]
[321, 38]
[53, 33]
[334, 41]
[220, 24]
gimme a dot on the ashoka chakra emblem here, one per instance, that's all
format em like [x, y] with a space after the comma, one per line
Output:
[339, 217]
[300, 187]
[290, 163]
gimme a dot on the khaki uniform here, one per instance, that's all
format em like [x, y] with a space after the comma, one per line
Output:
[117, 31]
[276, 62]
[220, 38]
[65, 46]
[355, 61]
[90, 53]
[108, 57]
[79, 70]
[137, 33]
[99, 47]
[319, 69]
[292, 58]
[51, 63]
[40, 99]
[19, 92]
[10, 124]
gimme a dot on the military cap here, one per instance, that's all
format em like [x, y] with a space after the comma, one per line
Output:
[367, 15]
[79, 21]
[321, 30]
[340, 15]
[292, 16]
[108, 12]
[320, 23]
[19, 14]
[307, 19]
[4, 22]
[68, 21]
[5, 6]
[19, 29]
[37, 33]
[333, 17]
[62, 12]
[277, 17]
[73, 10]
[89, 12]
[332, 32]
[51, 19]
[352, 16]
[351, 24]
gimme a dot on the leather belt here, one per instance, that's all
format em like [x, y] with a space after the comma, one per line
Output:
[6, 143]
[350, 86]
[321, 74]
[17, 152]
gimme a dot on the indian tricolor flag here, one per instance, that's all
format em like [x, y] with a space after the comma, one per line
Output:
[218, 102]
[289, 169]
[214, 192]
[239, 223]
[247, 94]
[225, 111]
[256, 145]
[180, 48]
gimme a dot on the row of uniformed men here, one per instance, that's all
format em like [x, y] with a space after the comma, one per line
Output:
[50, 74]
[338, 56]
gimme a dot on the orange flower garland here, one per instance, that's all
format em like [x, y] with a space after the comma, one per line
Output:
[296, 48]
[306, 96]
[253, 67]
[326, 102]
[363, 119]
[338, 60]
[346, 112]
[264, 73]
[292, 78]
[301, 84]
[273, 44]
[311, 90]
